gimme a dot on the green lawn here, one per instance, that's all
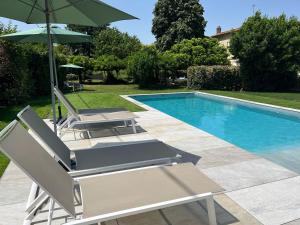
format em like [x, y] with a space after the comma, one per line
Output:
[92, 97]
[108, 96]
[290, 100]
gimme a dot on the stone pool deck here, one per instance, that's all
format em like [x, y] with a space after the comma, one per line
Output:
[257, 191]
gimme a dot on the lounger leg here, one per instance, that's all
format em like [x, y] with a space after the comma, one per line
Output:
[133, 126]
[211, 211]
[50, 215]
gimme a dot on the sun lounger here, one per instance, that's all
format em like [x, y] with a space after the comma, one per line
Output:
[107, 196]
[77, 118]
[95, 160]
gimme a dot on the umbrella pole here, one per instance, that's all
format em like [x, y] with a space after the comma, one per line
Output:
[50, 49]
[56, 84]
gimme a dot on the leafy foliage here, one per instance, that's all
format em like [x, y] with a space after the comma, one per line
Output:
[174, 61]
[176, 20]
[13, 76]
[143, 67]
[111, 65]
[113, 42]
[201, 51]
[84, 48]
[24, 71]
[268, 51]
[8, 29]
[92, 31]
[214, 77]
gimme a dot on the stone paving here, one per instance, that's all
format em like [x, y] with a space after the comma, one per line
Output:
[264, 189]
[257, 191]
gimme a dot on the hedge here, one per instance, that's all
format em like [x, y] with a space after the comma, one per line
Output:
[214, 77]
[24, 72]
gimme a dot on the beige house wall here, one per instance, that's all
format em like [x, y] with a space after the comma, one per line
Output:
[224, 40]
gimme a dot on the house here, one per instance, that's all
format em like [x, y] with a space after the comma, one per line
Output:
[224, 39]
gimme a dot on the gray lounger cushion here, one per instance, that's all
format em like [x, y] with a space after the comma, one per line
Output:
[121, 191]
[123, 154]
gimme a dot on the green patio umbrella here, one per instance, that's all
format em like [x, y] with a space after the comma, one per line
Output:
[80, 12]
[58, 35]
[39, 35]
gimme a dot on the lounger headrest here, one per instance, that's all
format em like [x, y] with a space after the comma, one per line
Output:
[46, 135]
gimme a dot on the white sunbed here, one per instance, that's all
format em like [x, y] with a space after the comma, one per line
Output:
[107, 196]
[87, 117]
[96, 160]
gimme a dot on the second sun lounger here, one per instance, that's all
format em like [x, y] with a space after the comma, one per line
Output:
[87, 117]
[107, 196]
[96, 160]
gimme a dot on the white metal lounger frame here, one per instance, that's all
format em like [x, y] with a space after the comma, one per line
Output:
[73, 119]
[147, 208]
[36, 203]
[37, 199]
[99, 169]
[33, 206]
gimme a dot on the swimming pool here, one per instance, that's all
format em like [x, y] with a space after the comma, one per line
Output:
[272, 133]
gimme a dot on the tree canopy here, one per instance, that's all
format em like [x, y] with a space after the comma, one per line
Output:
[268, 51]
[201, 51]
[114, 42]
[92, 31]
[176, 20]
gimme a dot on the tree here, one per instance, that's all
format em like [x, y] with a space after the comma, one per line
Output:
[143, 67]
[201, 51]
[84, 48]
[83, 61]
[176, 20]
[109, 64]
[269, 52]
[113, 42]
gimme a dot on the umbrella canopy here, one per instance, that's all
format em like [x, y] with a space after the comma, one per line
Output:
[39, 35]
[71, 66]
[79, 12]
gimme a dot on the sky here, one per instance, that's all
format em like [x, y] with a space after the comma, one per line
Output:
[226, 13]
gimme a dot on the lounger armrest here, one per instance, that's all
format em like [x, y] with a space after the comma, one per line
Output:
[161, 162]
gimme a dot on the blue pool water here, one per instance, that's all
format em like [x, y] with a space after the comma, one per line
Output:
[269, 132]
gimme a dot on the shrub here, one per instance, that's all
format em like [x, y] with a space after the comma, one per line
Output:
[15, 83]
[24, 72]
[214, 77]
[268, 51]
[143, 67]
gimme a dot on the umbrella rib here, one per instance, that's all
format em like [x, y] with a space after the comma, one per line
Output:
[26, 3]
[52, 12]
[32, 7]
[66, 6]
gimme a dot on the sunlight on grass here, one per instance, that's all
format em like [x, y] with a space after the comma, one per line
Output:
[105, 96]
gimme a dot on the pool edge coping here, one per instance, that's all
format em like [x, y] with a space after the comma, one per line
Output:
[149, 108]
[129, 98]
